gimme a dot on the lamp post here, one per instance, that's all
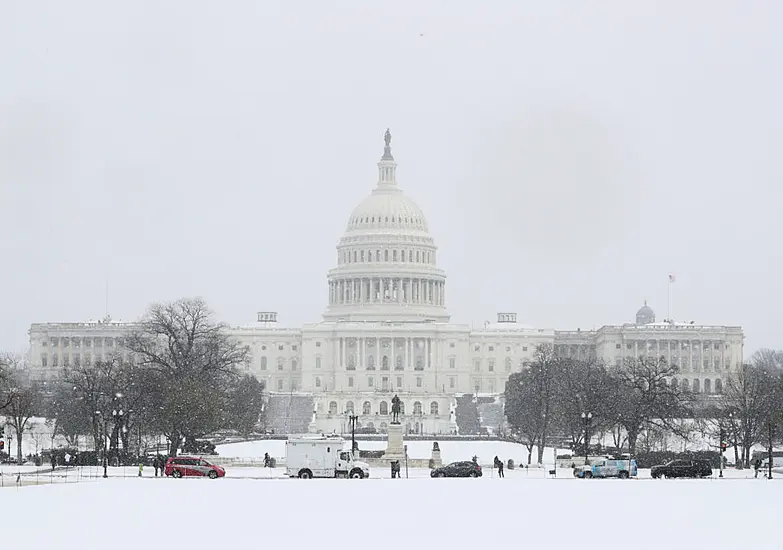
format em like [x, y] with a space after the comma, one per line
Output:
[722, 446]
[586, 418]
[352, 418]
[102, 421]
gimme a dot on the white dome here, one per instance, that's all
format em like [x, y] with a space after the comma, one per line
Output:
[387, 260]
[387, 209]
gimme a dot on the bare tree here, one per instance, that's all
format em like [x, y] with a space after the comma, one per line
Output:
[644, 399]
[23, 402]
[189, 361]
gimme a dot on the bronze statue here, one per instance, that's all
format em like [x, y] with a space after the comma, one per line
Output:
[395, 400]
[387, 138]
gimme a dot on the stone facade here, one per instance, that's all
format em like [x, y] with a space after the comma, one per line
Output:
[386, 331]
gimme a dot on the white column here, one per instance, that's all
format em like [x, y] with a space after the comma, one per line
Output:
[399, 289]
[393, 353]
[342, 352]
[407, 352]
[429, 353]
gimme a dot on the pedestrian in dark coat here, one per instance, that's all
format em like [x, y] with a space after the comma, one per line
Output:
[499, 466]
[156, 465]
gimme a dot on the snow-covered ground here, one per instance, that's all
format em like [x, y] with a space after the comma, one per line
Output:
[525, 509]
[451, 451]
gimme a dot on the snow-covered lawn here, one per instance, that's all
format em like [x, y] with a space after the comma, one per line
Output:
[451, 451]
[524, 510]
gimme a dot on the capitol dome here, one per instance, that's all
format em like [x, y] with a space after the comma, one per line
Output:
[645, 315]
[386, 260]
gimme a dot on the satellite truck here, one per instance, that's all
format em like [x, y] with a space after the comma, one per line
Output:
[307, 457]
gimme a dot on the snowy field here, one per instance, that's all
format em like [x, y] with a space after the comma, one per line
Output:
[450, 451]
[521, 510]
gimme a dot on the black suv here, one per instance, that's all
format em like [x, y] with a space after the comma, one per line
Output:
[467, 468]
[682, 468]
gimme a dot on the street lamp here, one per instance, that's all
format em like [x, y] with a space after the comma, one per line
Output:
[586, 418]
[352, 418]
[102, 420]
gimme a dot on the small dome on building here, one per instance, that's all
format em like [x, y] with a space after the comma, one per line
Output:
[645, 315]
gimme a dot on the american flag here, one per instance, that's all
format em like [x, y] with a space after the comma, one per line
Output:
[671, 278]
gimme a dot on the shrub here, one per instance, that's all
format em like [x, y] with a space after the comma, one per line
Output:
[272, 462]
[431, 464]
[371, 454]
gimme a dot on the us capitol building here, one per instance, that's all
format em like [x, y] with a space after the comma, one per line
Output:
[386, 331]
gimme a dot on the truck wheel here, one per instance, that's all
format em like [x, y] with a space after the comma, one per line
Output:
[623, 475]
[587, 475]
[305, 474]
[357, 474]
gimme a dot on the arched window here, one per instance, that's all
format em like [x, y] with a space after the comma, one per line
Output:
[354, 256]
[383, 408]
[434, 408]
[419, 363]
[398, 361]
[686, 385]
[402, 255]
[351, 362]
[696, 387]
[361, 256]
[318, 362]
[366, 409]
[402, 407]
[410, 255]
[418, 257]
[707, 385]
[294, 364]
[417, 407]
[385, 362]
[349, 407]
[317, 381]
[718, 385]
[370, 362]
[377, 255]
[263, 362]
[394, 255]
[508, 364]
[333, 407]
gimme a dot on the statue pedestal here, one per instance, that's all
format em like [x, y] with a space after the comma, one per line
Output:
[395, 446]
[436, 459]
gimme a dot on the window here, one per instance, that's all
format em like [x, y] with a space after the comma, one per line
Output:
[317, 381]
[383, 408]
[366, 408]
[399, 381]
[54, 360]
[385, 255]
[370, 382]
[707, 386]
[280, 385]
[385, 383]
[263, 347]
[419, 363]
[318, 344]
[617, 346]
[294, 347]
[350, 381]
[318, 362]
[508, 364]
[477, 365]
[434, 408]
[77, 361]
[280, 347]
[452, 345]
[385, 362]
[491, 348]
[394, 256]
[332, 407]
[371, 362]
[294, 364]
[476, 347]
[280, 363]
[524, 348]
[44, 360]
[398, 361]
[452, 362]
[417, 407]
[263, 362]
[418, 381]
[66, 360]
[491, 365]
[718, 386]
[696, 388]
[491, 386]
[351, 362]
[452, 382]
[349, 407]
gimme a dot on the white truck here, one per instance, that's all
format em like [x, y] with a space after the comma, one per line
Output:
[321, 456]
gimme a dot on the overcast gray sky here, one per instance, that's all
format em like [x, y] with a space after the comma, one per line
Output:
[568, 155]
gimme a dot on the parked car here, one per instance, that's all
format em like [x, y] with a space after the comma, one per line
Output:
[191, 466]
[682, 468]
[466, 468]
[607, 468]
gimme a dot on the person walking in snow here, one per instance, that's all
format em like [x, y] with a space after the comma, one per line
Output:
[499, 466]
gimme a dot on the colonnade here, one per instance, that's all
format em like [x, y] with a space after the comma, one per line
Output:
[387, 290]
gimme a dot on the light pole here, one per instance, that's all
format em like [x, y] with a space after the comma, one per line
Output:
[102, 421]
[586, 418]
[352, 418]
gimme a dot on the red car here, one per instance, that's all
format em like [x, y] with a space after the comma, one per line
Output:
[180, 466]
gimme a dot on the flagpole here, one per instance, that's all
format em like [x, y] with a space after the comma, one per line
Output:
[669, 314]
